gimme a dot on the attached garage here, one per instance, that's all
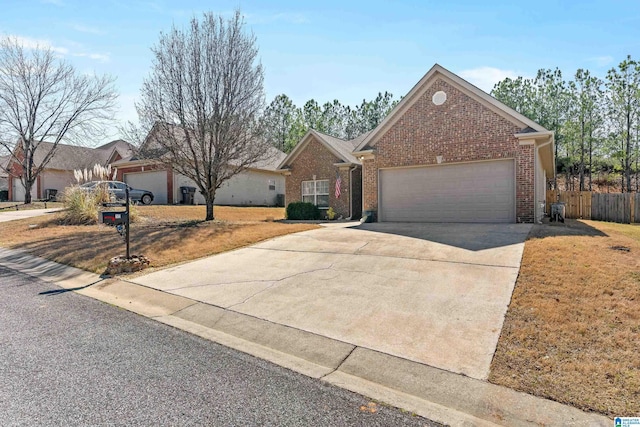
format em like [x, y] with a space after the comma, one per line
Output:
[56, 180]
[464, 192]
[449, 152]
[154, 181]
[19, 191]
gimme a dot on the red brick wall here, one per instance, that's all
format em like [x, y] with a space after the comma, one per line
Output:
[460, 130]
[15, 171]
[316, 159]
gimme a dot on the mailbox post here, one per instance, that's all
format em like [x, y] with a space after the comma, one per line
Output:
[126, 224]
[119, 219]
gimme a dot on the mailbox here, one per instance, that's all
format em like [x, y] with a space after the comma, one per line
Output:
[113, 218]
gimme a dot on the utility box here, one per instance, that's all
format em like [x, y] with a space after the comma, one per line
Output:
[368, 216]
[113, 218]
[187, 195]
[50, 194]
[558, 212]
[280, 200]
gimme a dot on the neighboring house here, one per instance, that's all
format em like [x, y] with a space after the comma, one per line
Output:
[448, 152]
[314, 167]
[58, 173]
[4, 178]
[259, 185]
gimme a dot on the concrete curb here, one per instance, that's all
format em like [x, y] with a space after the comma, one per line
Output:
[435, 394]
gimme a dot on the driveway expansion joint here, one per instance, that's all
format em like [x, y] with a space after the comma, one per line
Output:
[341, 363]
[277, 281]
[391, 256]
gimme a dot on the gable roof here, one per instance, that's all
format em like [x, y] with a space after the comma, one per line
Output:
[270, 163]
[437, 71]
[70, 157]
[341, 148]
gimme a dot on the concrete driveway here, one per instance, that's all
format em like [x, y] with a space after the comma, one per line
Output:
[12, 215]
[431, 293]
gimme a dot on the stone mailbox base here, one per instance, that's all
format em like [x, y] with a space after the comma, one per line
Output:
[120, 264]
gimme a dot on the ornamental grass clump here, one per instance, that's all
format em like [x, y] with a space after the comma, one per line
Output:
[81, 206]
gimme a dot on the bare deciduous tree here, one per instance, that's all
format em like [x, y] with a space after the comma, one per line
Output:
[44, 99]
[203, 102]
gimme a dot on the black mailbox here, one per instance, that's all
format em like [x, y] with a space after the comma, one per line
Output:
[114, 218]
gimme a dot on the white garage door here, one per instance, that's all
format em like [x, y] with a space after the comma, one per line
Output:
[465, 192]
[19, 190]
[156, 182]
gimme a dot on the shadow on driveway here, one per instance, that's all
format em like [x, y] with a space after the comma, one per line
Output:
[472, 237]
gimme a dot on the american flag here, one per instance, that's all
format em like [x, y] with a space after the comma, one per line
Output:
[338, 184]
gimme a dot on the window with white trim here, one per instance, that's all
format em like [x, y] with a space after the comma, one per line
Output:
[316, 192]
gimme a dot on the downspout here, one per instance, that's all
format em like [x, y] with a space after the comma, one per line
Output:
[351, 191]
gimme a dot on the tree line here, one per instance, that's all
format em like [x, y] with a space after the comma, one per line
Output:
[596, 122]
[284, 123]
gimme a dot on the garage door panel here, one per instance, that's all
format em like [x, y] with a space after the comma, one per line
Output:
[470, 192]
[155, 181]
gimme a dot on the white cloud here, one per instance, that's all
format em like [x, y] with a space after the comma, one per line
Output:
[31, 43]
[54, 2]
[85, 29]
[602, 61]
[486, 77]
[97, 56]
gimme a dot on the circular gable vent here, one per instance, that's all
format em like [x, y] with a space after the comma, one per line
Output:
[439, 97]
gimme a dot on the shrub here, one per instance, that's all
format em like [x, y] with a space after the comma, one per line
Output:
[302, 211]
[331, 214]
[83, 206]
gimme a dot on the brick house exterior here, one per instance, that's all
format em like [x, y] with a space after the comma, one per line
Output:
[320, 157]
[469, 126]
[448, 152]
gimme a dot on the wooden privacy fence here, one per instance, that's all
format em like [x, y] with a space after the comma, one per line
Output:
[613, 207]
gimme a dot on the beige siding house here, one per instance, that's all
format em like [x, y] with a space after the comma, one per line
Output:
[58, 173]
[261, 184]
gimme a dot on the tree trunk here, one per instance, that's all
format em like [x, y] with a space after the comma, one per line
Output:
[209, 202]
[27, 191]
[581, 168]
[590, 159]
[555, 175]
[627, 167]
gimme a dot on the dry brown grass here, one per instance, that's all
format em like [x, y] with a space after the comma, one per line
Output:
[34, 205]
[222, 213]
[573, 327]
[165, 235]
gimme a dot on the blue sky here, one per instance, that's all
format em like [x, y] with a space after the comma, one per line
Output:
[345, 50]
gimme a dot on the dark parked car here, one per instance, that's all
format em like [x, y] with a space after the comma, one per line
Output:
[117, 188]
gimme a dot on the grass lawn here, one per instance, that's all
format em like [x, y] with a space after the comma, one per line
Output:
[165, 234]
[572, 331]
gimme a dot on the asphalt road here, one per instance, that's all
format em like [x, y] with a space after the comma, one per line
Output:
[66, 359]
